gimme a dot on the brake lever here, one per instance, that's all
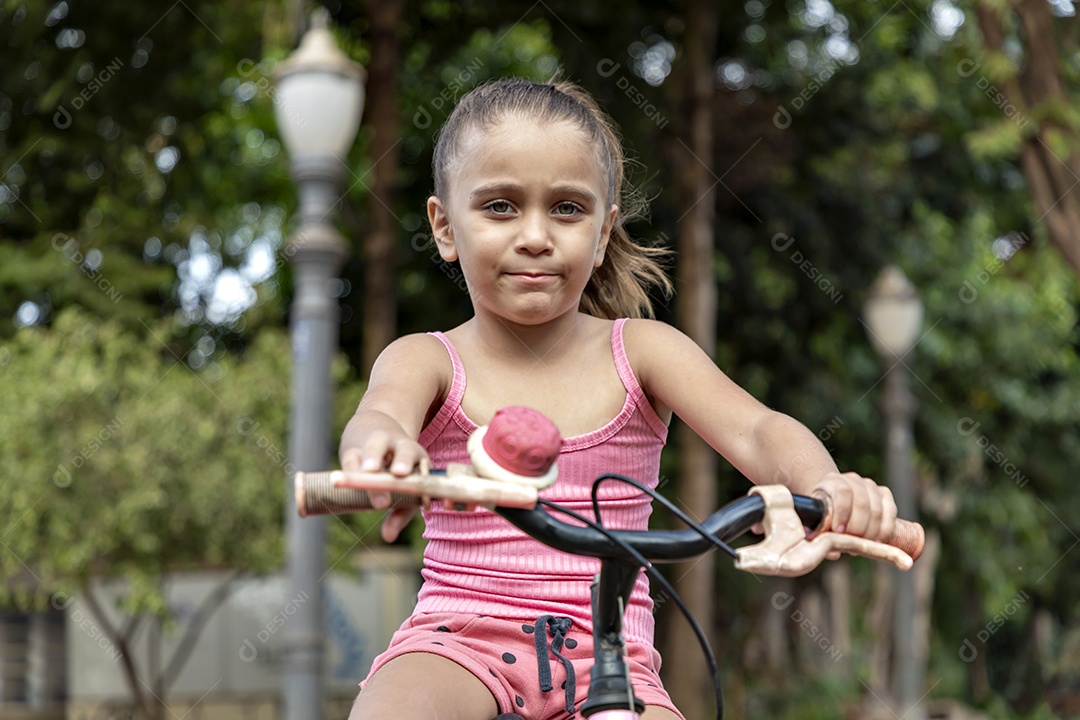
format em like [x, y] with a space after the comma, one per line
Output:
[786, 551]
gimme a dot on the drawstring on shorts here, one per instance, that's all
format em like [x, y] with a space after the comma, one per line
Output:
[558, 628]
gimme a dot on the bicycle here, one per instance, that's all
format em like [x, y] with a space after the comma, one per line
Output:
[785, 551]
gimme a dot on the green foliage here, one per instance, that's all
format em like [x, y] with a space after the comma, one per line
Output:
[820, 698]
[136, 154]
[902, 152]
[905, 157]
[119, 460]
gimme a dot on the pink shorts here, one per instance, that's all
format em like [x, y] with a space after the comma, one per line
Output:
[503, 655]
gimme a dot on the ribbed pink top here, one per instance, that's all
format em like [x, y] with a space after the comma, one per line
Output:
[478, 563]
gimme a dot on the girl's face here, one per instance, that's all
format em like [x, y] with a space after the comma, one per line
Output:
[527, 215]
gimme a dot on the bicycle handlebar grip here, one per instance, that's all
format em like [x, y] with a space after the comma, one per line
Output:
[339, 492]
[317, 495]
[909, 537]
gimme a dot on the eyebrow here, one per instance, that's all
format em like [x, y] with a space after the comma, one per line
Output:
[573, 191]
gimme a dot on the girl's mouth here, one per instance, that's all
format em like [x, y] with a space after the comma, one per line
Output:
[533, 278]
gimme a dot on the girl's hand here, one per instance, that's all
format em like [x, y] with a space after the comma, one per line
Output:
[398, 454]
[859, 506]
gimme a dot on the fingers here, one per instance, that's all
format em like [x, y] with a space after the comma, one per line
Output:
[395, 522]
[406, 456]
[870, 502]
[383, 451]
[398, 454]
[888, 514]
[351, 459]
[860, 506]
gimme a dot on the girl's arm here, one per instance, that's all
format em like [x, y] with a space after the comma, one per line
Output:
[764, 445]
[407, 380]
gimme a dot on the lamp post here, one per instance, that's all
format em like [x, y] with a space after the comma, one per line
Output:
[319, 96]
[894, 317]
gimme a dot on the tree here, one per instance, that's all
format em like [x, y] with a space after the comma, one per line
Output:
[121, 462]
[847, 135]
[871, 165]
[380, 248]
[696, 314]
[142, 177]
[1038, 109]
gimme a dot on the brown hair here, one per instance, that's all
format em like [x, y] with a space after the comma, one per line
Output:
[620, 286]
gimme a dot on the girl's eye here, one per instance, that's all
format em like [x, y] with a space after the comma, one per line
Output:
[499, 207]
[567, 209]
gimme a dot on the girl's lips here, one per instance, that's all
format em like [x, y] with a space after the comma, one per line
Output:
[528, 278]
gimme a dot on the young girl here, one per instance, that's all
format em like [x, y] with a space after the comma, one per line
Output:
[528, 185]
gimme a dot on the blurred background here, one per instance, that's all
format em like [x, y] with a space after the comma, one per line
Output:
[789, 151]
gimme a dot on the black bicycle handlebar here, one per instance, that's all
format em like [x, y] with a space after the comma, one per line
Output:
[317, 493]
[727, 523]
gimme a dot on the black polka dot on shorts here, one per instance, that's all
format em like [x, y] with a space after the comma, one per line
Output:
[442, 628]
[528, 629]
[519, 700]
[571, 643]
[509, 659]
[438, 643]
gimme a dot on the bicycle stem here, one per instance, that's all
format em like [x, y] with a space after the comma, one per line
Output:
[611, 694]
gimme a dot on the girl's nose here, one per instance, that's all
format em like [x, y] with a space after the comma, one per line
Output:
[534, 236]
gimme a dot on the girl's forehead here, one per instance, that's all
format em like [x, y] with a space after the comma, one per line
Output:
[525, 149]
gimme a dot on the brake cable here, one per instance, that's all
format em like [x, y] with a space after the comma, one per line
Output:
[668, 588]
[693, 524]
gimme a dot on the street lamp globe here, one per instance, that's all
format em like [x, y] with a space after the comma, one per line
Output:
[319, 96]
[894, 313]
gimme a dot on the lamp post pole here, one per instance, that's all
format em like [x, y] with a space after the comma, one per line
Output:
[894, 318]
[318, 104]
[899, 408]
[317, 252]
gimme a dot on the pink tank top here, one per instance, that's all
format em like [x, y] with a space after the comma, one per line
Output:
[478, 563]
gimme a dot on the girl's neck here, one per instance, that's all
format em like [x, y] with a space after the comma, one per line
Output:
[508, 339]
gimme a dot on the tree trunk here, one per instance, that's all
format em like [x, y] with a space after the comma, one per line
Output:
[194, 630]
[880, 640]
[122, 641]
[838, 589]
[150, 688]
[810, 627]
[777, 616]
[1053, 176]
[687, 676]
[380, 302]
[153, 667]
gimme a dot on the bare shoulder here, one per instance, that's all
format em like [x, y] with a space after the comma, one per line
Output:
[415, 351]
[647, 328]
[413, 369]
[675, 372]
[654, 350]
[651, 342]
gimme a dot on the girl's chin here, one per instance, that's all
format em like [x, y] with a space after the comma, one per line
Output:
[526, 313]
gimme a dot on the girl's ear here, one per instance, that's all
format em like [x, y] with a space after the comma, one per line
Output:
[441, 229]
[605, 236]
